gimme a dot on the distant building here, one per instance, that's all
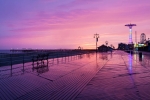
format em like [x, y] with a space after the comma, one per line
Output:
[130, 47]
[143, 38]
[144, 47]
[149, 46]
[104, 48]
[123, 46]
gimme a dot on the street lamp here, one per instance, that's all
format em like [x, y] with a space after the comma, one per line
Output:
[96, 36]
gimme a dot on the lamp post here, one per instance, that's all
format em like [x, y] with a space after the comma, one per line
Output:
[96, 36]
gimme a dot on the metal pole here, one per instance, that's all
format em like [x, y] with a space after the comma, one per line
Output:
[23, 63]
[96, 44]
[96, 36]
[11, 63]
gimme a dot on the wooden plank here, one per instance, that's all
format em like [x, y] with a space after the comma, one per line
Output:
[67, 86]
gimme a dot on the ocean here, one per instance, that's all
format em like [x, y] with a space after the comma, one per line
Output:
[5, 51]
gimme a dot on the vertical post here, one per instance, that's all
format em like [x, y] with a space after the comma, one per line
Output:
[57, 56]
[96, 36]
[53, 57]
[37, 60]
[68, 56]
[62, 56]
[65, 56]
[11, 63]
[23, 63]
[33, 61]
[71, 55]
[96, 45]
[47, 59]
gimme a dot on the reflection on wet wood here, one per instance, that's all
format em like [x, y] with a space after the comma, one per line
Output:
[39, 64]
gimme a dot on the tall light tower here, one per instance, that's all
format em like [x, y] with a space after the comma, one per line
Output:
[96, 36]
[130, 34]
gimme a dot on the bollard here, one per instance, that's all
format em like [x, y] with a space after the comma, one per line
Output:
[140, 56]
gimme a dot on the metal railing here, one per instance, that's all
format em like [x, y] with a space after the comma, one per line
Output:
[18, 63]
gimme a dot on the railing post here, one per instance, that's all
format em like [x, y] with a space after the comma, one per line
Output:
[57, 57]
[37, 60]
[23, 63]
[65, 56]
[68, 55]
[33, 61]
[62, 56]
[47, 61]
[53, 58]
[11, 63]
[71, 55]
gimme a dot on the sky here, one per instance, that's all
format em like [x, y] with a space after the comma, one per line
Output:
[68, 24]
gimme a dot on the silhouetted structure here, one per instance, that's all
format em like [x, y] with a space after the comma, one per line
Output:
[123, 46]
[79, 48]
[104, 48]
[143, 38]
[144, 47]
[130, 34]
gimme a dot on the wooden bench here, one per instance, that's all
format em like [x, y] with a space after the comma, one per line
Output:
[39, 64]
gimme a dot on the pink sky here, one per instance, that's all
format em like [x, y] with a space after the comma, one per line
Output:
[67, 24]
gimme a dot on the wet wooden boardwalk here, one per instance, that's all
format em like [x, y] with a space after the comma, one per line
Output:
[122, 78]
[117, 76]
[61, 81]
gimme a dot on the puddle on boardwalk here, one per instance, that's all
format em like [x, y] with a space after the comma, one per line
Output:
[60, 72]
[135, 63]
[59, 67]
[55, 68]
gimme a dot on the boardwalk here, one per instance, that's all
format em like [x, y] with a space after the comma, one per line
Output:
[122, 78]
[90, 76]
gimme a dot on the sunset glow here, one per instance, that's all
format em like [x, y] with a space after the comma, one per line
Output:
[67, 24]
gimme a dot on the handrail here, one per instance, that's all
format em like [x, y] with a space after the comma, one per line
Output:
[29, 65]
[23, 59]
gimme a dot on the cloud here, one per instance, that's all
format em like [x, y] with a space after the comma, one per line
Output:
[79, 4]
[73, 20]
[81, 18]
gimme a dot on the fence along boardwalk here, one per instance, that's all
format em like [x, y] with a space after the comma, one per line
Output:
[62, 81]
[17, 58]
[66, 87]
